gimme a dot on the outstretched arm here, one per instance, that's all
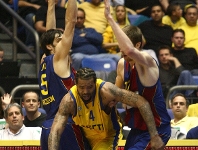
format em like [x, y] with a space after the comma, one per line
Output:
[132, 99]
[51, 20]
[125, 43]
[66, 107]
[64, 46]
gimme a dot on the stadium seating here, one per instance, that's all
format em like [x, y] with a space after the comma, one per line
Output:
[98, 64]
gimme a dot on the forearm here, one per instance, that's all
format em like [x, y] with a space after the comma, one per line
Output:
[147, 115]
[51, 20]
[71, 16]
[56, 131]
[53, 141]
[123, 40]
[135, 100]
[164, 4]
[176, 62]
[22, 3]
[62, 3]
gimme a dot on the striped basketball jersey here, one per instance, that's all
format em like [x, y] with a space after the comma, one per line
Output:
[152, 94]
[101, 130]
[53, 88]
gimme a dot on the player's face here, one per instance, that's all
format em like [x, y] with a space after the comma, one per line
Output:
[126, 58]
[57, 39]
[86, 89]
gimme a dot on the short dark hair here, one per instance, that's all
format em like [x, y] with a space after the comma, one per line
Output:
[30, 92]
[155, 6]
[164, 47]
[85, 73]
[48, 38]
[171, 7]
[178, 30]
[182, 95]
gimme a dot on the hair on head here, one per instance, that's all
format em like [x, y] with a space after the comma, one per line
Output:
[85, 73]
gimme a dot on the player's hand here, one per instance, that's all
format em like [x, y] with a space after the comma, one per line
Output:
[157, 143]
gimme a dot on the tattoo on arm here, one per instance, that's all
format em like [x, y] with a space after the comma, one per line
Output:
[147, 115]
[59, 123]
[124, 96]
[132, 99]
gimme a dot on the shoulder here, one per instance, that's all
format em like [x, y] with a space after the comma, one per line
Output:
[168, 27]
[120, 64]
[147, 22]
[83, 4]
[91, 29]
[166, 18]
[121, 61]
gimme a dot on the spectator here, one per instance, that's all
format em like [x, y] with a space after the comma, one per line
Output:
[27, 10]
[155, 32]
[77, 2]
[40, 18]
[87, 42]
[181, 121]
[182, 3]
[6, 99]
[193, 110]
[186, 55]
[192, 133]
[171, 72]
[109, 41]
[17, 130]
[141, 7]
[174, 16]
[1, 54]
[190, 27]
[94, 11]
[31, 103]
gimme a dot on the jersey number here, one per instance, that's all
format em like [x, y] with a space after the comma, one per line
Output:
[44, 90]
[91, 115]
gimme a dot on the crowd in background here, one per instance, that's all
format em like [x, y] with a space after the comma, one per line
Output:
[169, 34]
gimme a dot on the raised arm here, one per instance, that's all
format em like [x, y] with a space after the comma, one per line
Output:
[124, 42]
[64, 46]
[110, 91]
[51, 20]
[60, 120]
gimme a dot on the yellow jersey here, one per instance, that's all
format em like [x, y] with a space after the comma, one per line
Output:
[102, 130]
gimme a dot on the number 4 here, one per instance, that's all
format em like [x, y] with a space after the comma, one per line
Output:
[91, 115]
